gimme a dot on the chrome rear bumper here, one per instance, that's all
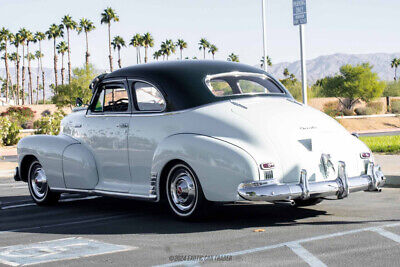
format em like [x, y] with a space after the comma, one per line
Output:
[340, 187]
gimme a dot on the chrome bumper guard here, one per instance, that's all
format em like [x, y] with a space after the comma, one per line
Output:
[340, 187]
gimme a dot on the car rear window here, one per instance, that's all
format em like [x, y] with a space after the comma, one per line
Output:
[226, 85]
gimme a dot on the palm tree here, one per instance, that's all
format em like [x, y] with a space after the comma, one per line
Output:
[69, 24]
[38, 56]
[157, 54]
[395, 64]
[5, 37]
[86, 26]
[269, 61]
[23, 33]
[30, 57]
[39, 37]
[14, 58]
[213, 49]
[107, 17]
[182, 45]
[29, 37]
[167, 48]
[117, 43]
[54, 32]
[148, 41]
[136, 42]
[203, 45]
[17, 42]
[62, 47]
[232, 57]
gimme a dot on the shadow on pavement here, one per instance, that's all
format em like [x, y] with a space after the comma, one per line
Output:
[151, 218]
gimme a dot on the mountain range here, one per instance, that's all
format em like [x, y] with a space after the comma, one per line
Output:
[329, 65]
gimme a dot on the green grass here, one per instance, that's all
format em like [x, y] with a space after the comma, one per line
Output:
[385, 144]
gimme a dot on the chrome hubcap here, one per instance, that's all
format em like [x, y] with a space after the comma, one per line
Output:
[183, 190]
[39, 182]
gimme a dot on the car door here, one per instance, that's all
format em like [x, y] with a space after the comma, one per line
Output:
[105, 132]
[146, 129]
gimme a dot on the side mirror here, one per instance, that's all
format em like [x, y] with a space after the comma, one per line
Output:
[79, 102]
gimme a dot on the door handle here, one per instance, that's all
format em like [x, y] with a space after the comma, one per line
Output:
[123, 125]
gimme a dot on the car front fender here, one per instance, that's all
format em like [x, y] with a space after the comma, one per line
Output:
[219, 165]
[48, 149]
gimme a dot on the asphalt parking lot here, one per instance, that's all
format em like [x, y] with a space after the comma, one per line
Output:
[93, 231]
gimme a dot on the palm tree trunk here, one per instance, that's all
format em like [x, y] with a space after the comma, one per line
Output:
[181, 52]
[213, 56]
[37, 81]
[30, 85]
[109, 46]
[87, 50]
[17, 76]
[7, 70]
[62, 69]
[140, 56]
[41, 68]
[69, 58]
[395, 73]
[119, 58]
[23, 75]
[44, 94]
[145, 54]
[55, 65]
[204, 53]
[137, 55]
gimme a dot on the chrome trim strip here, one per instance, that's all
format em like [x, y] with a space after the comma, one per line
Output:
[104, 193]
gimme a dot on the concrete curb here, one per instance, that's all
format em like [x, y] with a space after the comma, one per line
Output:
[367, 116]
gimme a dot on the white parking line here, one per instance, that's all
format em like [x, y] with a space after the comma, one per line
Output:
[387, 234]
[18, 206]
[116, 216]
[288, 244]
[33, 204]
[305, 255]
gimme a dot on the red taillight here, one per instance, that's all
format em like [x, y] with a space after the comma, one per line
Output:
[365, 155]
[267, 166]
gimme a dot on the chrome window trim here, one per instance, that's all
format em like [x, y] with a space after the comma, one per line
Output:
[133, 80]
[90, 114]
[208, 78]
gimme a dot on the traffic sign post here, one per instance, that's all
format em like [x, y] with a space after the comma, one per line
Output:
[300, 19]
[263, 6]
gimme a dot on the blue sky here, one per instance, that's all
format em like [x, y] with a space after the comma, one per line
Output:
[335, 26]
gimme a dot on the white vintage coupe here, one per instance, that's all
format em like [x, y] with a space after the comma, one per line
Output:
[195, 132]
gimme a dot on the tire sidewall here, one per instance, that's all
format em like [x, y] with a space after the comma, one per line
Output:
[171, 203]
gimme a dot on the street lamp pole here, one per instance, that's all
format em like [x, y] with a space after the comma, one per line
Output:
[264, 5]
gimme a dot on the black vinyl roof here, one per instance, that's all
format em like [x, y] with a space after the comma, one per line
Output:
[183, 82]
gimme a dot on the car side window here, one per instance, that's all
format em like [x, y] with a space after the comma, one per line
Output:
[112, 98]
[148, 97]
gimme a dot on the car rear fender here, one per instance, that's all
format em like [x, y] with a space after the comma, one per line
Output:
[219, 165]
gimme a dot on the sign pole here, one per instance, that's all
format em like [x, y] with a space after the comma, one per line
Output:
[303, 63]
[300, 18]
[264, 5]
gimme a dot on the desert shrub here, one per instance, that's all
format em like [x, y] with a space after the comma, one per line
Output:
[332, 109]
[376, 107]
[45, 113]
[348, 112]
[9, 131]
[49, 124]
[364, 111]
[19, 115]
[395, 107]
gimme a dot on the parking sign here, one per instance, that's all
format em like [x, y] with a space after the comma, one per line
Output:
[299, 12]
